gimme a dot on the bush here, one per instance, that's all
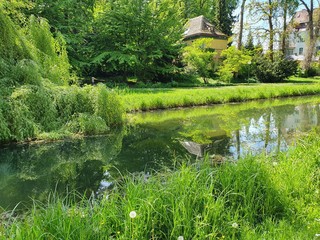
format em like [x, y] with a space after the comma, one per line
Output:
[33, 110]
[236, 63]
[270, 72]
[87, 124]
[313, 71]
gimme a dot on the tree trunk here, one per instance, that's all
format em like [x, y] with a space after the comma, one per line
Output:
[238, 143]
[284, 33]
[241, 25]
[311, 41]
[271, 32]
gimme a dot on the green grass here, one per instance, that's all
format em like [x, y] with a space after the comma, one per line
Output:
[264, 197]
[149, 99]
[229, 111]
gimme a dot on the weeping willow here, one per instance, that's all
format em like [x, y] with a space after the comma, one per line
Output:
[35, 96]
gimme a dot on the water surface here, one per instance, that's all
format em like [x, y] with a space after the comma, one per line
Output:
[152, 140]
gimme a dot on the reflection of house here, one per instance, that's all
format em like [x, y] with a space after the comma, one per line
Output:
[200, 27]
[303, 119]
[195, 148]
[297, 42]
[218, 144]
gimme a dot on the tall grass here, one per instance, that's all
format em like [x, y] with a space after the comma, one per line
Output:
[33, 112]
[265, 197]
[135, 100]
[35, 97]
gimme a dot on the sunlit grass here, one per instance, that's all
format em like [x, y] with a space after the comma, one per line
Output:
[148, 99]
[264, 197]
[226, 110]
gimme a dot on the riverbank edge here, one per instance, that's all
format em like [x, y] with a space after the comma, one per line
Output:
[262, 197]
[160, 99]
[155, 99]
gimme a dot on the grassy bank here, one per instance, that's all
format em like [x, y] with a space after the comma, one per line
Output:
[53, 112]
[255, 198]
[230, 112]
[148, 99]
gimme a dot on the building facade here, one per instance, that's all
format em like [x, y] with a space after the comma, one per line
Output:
[200, 27]
[298, 37]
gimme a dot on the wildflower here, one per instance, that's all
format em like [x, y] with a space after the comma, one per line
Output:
[274, 164]
[235, 225]
[133, 214]
[180, 238]
[317, 235]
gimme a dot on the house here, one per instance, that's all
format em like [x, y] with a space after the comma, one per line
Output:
[200, 27]
[297, 41]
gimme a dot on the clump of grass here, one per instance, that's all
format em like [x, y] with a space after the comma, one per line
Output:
[53, 111]
[270, 197]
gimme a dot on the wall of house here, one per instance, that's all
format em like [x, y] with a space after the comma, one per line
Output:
[298, 44]
[217, 44]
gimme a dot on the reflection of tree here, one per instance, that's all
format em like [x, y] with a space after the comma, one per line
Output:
[267, 129]
[238, 143]
[149, 147]
[206, 132]
[280, 114]
[36, 170]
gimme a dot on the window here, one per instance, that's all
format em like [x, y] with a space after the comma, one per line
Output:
[290, 52]
[301, 51]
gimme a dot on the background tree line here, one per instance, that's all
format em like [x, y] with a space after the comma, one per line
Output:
[143, 39]
[123, 37]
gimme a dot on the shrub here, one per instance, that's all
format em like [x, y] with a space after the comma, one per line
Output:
[236, 62]
[87, 124]
[313, 71]
[4, 127]
[199, 57]
[267, 71]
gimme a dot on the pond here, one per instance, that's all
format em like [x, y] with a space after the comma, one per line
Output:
[149, 142]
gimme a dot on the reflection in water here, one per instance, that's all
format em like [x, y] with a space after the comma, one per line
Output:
[92, 164]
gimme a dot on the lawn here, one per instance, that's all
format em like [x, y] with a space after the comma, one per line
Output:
[136, 99]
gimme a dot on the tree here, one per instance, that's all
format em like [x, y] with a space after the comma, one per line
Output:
[266, 11]
[71, 18]
[222, 15]
[287, 7]
[239, 43]
[138, 38]
[16, 9]
[235, 61]
[199, 57]
[249, 44]
[313, 31]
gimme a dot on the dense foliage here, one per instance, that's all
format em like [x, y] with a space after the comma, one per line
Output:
[199, 58]
[236, 63]
[268, 71]
[138, 38]
[35, 96]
